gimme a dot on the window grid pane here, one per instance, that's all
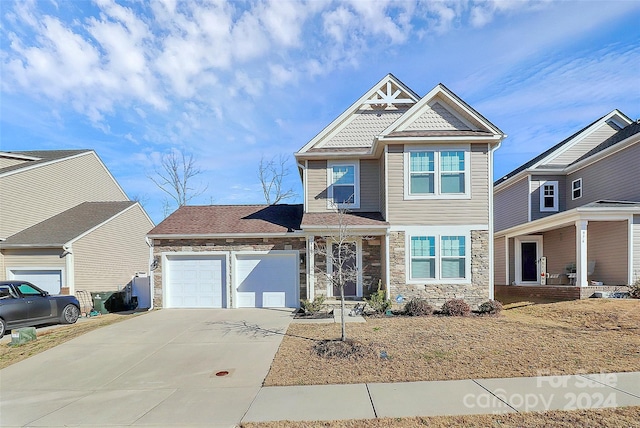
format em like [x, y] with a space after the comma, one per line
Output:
[423, 246]
[421, 162]
[452, 161]
[344, 174]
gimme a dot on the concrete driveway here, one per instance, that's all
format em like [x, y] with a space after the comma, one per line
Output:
[155, 369]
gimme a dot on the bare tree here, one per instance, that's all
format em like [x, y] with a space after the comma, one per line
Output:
[175, 176]
[339, 250]
[271, 174]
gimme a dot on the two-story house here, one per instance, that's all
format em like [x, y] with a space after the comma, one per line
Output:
[411, 179]
[571, 216]
[66, 224]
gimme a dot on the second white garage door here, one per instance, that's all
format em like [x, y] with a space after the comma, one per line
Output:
[195, 281]
[266, 280]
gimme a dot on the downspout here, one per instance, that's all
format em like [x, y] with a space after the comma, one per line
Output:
[491, 228]
[151, 274]
[69, 268]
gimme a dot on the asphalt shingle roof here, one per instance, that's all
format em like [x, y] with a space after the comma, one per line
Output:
[231, 219]
[349, 219]
[42, 155]
[64, 227]
[619, 136]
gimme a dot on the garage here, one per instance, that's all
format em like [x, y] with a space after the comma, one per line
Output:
[266, 280]
[48, 280]
[195, 281]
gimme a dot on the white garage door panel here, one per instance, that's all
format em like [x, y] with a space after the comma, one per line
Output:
[196, 282]
[48, 280]
[267, 280]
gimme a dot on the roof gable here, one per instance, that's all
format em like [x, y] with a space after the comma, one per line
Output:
[440, 110]
[613, 119]
[357, 126]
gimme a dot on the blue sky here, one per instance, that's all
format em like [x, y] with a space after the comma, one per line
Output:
[232, 81]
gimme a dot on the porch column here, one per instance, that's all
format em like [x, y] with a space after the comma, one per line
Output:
[581, 253]
[311, 267]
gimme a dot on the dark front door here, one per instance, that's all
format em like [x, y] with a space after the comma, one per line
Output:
[349, 269]
[529, 251]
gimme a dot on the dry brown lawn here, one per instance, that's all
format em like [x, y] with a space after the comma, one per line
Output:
[597, 335]
[611, 418]
[54, 337]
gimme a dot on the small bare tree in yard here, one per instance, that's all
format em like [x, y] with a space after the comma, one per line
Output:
[175, 176]
[339, 250]
[271, 174]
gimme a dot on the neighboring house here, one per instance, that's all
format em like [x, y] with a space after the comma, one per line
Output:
[66, 224]
[578, 206]
[414, 178]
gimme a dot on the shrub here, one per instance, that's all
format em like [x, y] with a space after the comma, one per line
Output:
[491, 307]
[314, 306]
[456, 308]
[418, 308]
[634, 289]
[378, 301]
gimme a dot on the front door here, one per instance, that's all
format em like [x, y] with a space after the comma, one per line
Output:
[529, 251]
[349, 258]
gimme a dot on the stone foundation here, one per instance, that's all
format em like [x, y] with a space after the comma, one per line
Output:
[436, 294]
[240, 244]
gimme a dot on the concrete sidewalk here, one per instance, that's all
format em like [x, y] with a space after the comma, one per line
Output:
[456, 397]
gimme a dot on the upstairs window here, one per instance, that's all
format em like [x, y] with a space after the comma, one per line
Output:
[343, 185]
[421, 173]
[549, 196]
[576, 189]
[452, 172]
[436, 174]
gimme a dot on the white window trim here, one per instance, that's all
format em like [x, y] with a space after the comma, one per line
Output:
[555, 196]
[466, 148]
[438, 233]
[538, 239]
[573, 189]
[356, 172]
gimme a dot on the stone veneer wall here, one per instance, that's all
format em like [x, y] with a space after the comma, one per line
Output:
[235, 244]
[474, 293]
[371, 266]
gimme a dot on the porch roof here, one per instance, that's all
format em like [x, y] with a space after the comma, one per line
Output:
[333, 220]
[602, 210]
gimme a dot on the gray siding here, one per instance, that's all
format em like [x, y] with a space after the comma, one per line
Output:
[383, 187]
[499, 261]
[369, 186]
[616, 177]
[536, 182]
[559, 247]
[441, 211]
[317, 186]
[31, 196]
[510, 207]
[607, 244]
[107, 258]
[584, 145]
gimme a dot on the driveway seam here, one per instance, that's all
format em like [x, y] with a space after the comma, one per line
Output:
[609, 386]
[491, 392]
[373, 406]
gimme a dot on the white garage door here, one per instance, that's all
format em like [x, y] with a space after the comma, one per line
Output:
[195, 281]
[267, 280]
[48, 280]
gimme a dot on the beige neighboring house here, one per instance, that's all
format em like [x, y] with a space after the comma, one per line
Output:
[575, 208]
[66, 224]
[414, 175]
